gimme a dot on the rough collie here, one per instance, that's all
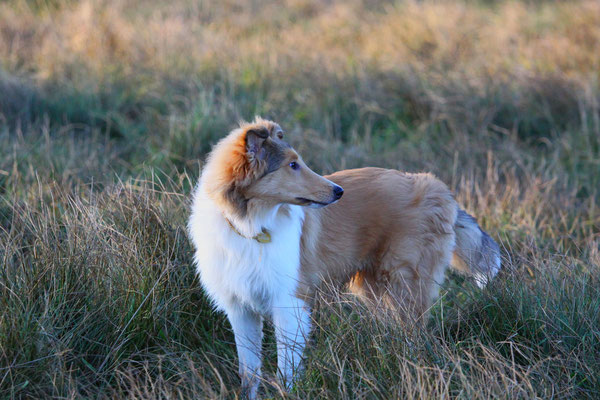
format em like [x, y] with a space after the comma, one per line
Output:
[268, 231]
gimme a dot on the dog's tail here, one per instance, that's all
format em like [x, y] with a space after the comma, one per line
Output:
[476, 252]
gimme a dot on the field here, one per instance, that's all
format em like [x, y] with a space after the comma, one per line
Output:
[108, 108]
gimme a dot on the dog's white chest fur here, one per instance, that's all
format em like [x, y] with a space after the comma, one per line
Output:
[237, 270]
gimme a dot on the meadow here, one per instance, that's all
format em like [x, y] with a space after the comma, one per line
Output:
[108, 108]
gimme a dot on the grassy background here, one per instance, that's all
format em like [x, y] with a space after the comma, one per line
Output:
[107, 109]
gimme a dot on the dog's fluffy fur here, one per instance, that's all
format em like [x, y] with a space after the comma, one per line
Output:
[390, 237]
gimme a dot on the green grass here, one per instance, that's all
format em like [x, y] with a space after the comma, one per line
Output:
[108, 109]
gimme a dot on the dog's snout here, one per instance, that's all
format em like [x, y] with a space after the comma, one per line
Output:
[338, 192]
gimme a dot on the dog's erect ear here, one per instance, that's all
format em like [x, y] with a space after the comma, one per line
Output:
[255, 138]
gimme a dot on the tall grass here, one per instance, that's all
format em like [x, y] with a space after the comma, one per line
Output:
[108, 108]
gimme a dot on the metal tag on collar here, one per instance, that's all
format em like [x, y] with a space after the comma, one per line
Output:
[263, 237]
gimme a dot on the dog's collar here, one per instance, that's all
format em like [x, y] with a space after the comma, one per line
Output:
[263, 237]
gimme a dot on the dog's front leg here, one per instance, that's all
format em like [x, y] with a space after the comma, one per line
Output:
[292, 327]
[247, 328]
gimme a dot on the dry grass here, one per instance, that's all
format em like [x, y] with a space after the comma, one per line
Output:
[108, 107]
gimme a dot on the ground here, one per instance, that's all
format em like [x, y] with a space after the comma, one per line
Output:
[108, 108]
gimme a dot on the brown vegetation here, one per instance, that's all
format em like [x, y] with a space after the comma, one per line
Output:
[108, 107]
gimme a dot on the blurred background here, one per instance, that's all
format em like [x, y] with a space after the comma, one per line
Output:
[108, 108]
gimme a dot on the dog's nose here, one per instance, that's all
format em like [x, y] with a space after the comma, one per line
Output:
[338, 192]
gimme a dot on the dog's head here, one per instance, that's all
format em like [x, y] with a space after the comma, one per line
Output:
[254, 163]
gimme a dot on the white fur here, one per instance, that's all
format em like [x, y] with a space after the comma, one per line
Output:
[248, 280]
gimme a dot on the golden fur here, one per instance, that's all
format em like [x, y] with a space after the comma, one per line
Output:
[390, 237]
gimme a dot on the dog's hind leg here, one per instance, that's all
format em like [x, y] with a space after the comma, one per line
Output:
[247, 328]
[405, 284]
[400, 294]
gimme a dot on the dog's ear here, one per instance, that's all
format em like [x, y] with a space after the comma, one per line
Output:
[255, 137]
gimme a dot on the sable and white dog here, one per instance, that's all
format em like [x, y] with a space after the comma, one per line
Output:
[261, 252]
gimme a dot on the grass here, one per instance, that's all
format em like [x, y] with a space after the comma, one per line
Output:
[107, 110]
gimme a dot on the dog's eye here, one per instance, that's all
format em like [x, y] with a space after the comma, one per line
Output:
[294, 165]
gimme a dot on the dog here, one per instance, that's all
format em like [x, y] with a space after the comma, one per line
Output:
[268, 232]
